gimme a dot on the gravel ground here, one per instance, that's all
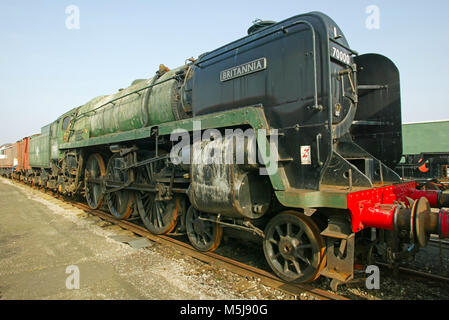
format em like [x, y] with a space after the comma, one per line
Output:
[392, 287]
[217, 283]
[114, 270]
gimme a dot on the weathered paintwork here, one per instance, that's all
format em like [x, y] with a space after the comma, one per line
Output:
[23, 146]
[8, 156]
[312, 199]
[105, 115]
[251, 116]
[40, 149]
[123, 111]
[302, 112]
[328, 122]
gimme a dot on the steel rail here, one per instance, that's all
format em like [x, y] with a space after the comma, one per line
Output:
[418, 273]
[211, 258]
[214, 259]
[232, 265]
[438, 242]
[236, 266]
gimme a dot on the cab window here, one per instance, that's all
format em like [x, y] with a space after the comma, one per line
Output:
[65, 123]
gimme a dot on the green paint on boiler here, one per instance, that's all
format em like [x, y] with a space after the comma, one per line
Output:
[251, 116]
[127, 110]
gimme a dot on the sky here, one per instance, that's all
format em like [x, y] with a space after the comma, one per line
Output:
[48, 67]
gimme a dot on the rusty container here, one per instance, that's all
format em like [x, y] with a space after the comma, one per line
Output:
[23, 152]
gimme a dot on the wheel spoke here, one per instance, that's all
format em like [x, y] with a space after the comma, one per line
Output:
[279, 231]
[92, 168]
[277, 255]
[208, 234]
[154, 215]
[149, 208]
[159, 215]
[297, 267]
[147, 201]
[299, 234]
[286, 265]
[289, 229]
[95, 193]
[303, 258]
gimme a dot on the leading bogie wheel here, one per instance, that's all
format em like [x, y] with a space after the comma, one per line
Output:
[294, 248]
[93, 173]
[204, 235]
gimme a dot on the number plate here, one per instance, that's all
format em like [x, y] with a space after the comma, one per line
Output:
[340, 54]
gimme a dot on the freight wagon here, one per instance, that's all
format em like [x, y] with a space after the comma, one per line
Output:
[8, 159]
[22, 169]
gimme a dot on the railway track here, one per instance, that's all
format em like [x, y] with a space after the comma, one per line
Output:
[211, 258]
[438, 242]
[229, 264]
[416, 273]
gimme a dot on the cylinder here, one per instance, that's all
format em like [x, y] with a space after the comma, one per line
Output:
[221, 186]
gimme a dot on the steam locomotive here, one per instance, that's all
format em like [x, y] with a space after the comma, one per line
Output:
[327, 118]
